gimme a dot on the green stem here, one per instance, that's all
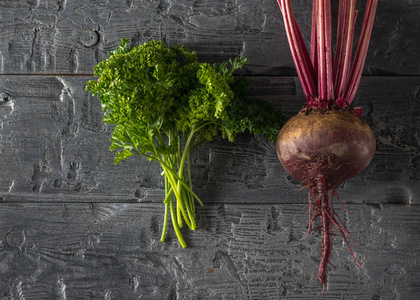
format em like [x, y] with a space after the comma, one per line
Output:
[187, 149]
[180, 201]
[169, 204]
[180, 181]
[168, 194]
[165, 222]
[191, 199]
[178, 196]
[175, 224]
[181, 165]
[165, 218]
[173, 166]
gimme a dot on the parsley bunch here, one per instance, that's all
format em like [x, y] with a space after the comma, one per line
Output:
[164, 104]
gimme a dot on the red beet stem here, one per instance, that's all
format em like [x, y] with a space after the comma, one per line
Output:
[326, 80]
[345, 33]
[361, 52]
[299, 51]
[325, 77]
[314, 37]
[328, 50]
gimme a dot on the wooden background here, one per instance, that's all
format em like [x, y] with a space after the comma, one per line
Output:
[75, 226]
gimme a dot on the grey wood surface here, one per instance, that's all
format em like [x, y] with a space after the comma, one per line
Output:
[55, 147]
[61, 36]
[249, 251]
[75, 226]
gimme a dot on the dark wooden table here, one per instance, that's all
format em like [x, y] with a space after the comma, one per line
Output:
[75, 226]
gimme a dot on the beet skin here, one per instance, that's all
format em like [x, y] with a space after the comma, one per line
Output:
[336, 144]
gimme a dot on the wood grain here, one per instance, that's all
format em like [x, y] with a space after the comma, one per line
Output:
[70, 37]
[87, 251]
[54, 145]
[75, 226]
[111, 251]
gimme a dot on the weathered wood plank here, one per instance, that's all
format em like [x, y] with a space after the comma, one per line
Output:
[53, 145]
[111, 251]
[63, 37]
[74, 226]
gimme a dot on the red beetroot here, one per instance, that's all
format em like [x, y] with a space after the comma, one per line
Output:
[327, 143]
[334, 144]
[322, 149]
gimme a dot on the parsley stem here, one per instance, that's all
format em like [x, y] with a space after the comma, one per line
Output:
[182, 182]
[173, 183]
[187, 149]
[175, 224]
[168, 193]
[169, 206]
[165, 222]
[179, 202]
[190, 198]
[179, 199]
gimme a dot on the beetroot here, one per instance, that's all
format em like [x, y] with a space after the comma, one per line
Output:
[331, 144]
[327, 143]
[323, 148]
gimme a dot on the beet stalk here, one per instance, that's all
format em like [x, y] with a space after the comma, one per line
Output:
[327, 143]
